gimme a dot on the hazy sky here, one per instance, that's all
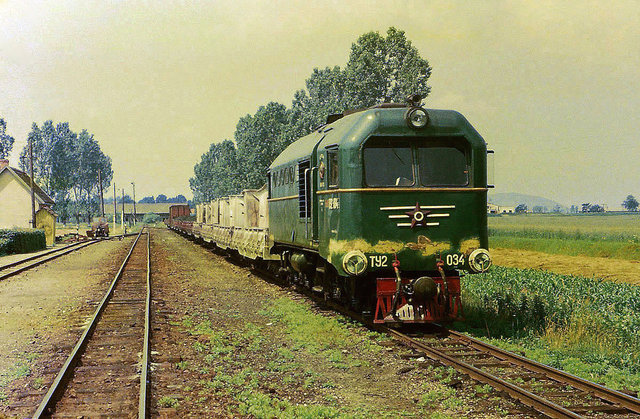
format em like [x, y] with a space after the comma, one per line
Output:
[553, 86]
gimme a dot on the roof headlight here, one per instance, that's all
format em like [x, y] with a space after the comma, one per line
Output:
[417, 118]
[479, 260]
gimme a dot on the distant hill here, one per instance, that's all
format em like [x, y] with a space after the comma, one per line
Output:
[514, 199]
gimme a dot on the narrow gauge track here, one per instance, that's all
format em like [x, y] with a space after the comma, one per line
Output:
[549, 391]
[10, 269]
[14, 268]
[106, 372]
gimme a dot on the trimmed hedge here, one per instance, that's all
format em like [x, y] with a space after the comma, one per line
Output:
[21, 241]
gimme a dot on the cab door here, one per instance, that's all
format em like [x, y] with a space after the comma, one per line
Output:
[327, 179]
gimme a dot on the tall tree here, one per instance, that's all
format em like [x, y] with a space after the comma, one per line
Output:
[630, 203]
[66, 166]
[326, 94]
[258, 141]
[6, 141]
[380, 68]
[217, 173]
[385, 69]
[88, 159]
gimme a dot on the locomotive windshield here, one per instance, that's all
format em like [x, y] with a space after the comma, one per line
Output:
[442, 166]
[388, 163]
[437, 162]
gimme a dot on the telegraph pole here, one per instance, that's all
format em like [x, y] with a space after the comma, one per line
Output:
[101, 196]
[134, 203]
[122, 210]
[33, 198]
[115, 205]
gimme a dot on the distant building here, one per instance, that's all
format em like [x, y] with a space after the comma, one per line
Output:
[497, 209]
[15, 199]
[141, 209]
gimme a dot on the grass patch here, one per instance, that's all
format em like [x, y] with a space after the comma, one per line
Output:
[20, 369]
[585, 326]
[608, 235]
[618, 227]
[260, 405]
[334, 338]
[570, 247]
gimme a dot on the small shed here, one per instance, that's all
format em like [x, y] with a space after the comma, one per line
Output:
[46, 220]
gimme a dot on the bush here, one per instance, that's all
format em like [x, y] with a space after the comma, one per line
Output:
[151, 218]
[21, 241]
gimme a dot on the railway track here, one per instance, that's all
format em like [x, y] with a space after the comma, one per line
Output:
[106, 373]
[552, 392]
[10, 269]
[549, 391]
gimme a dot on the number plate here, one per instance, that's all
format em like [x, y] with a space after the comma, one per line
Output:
[455, 259]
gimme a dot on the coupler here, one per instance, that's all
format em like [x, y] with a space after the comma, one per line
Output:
[427, 299]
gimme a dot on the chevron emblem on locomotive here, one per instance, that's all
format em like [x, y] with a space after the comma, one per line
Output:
[381, 210]
[419, 215]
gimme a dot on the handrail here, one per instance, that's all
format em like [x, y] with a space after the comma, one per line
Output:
[306, 206]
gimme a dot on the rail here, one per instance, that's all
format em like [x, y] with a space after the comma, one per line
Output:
[65, 374]
[615, 397]
[41, 259]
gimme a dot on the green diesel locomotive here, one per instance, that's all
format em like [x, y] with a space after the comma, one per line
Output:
[379, 209]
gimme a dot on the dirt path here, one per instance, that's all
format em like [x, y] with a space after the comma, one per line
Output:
[614, 269]
[228, 344]
[42, 313]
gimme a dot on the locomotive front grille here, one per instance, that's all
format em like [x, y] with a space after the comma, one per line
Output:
[418, 214]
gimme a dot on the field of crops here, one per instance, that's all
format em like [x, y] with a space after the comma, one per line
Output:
[600, 235]
[585, 326]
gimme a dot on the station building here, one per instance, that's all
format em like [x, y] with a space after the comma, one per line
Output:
[15, 202]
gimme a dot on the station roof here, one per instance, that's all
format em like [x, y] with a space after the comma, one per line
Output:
[26, 179]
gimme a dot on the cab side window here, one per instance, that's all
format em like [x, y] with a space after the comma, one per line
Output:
[332, 160]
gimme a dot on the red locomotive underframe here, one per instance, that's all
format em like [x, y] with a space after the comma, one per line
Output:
[434, 311]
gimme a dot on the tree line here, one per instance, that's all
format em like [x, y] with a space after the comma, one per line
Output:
[65, 166]
[380, 69]
[629, 204]
[160, 199]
